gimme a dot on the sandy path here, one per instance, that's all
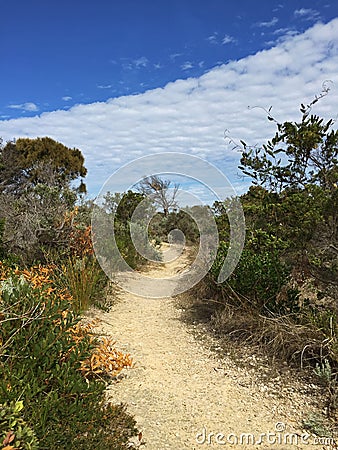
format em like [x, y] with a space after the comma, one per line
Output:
[178, 388]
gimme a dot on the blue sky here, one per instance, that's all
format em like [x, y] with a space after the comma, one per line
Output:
[122, 79]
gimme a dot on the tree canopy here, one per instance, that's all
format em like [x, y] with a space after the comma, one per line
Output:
[37, 192]
[26, 163]
[300, 153]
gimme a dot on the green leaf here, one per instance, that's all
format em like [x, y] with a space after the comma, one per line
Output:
[18, 406]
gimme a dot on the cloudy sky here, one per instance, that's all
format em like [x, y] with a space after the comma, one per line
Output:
[124, 79]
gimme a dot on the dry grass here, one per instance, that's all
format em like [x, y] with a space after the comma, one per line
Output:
[279, 337]
[293, 338]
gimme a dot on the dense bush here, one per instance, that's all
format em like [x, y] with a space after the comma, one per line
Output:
[190, 221]
[53, 370]
[283, 293]
[18, 433]
[288, 236]
[2, 228]
[84, 279]
[75, 267]
[42, 353]
[257, 280]
[37, 191]
[118, 222]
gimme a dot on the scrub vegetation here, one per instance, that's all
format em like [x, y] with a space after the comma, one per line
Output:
[281, 298]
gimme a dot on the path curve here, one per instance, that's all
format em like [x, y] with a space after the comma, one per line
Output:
[183, 395]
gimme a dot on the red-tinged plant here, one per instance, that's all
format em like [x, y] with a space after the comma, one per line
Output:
[105, 361]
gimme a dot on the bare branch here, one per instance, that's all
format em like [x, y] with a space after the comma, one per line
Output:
[162, 192]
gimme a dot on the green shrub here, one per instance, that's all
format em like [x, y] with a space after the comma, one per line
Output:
[84, 280]
[13, 428]
[116, 255]
[40, 362]
[257, 280]
[135, 257]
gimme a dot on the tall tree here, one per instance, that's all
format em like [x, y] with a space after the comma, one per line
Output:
[36, 193]
[294, 209]
[162, 192]
[300, 154]
[26, 163]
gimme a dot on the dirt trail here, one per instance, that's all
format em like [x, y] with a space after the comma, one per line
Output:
[180, 391]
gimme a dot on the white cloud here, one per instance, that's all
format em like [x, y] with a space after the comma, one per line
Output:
[131, 64]
[228, 39]
[306, 14]
[268, 24]
[191, 115]
[29, 106]
[282, 34]
[213, 39]
[173, 56]
[286, 32]
[67, 98]
[187, 65]
[278, 8]
[104, 86]
[141, 62]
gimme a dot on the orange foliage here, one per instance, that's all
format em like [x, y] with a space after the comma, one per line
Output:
[76, 234]
[8, 440]
[3, 271]
[39, 277]
[106, 360]
[80, 330]
[81, 242]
